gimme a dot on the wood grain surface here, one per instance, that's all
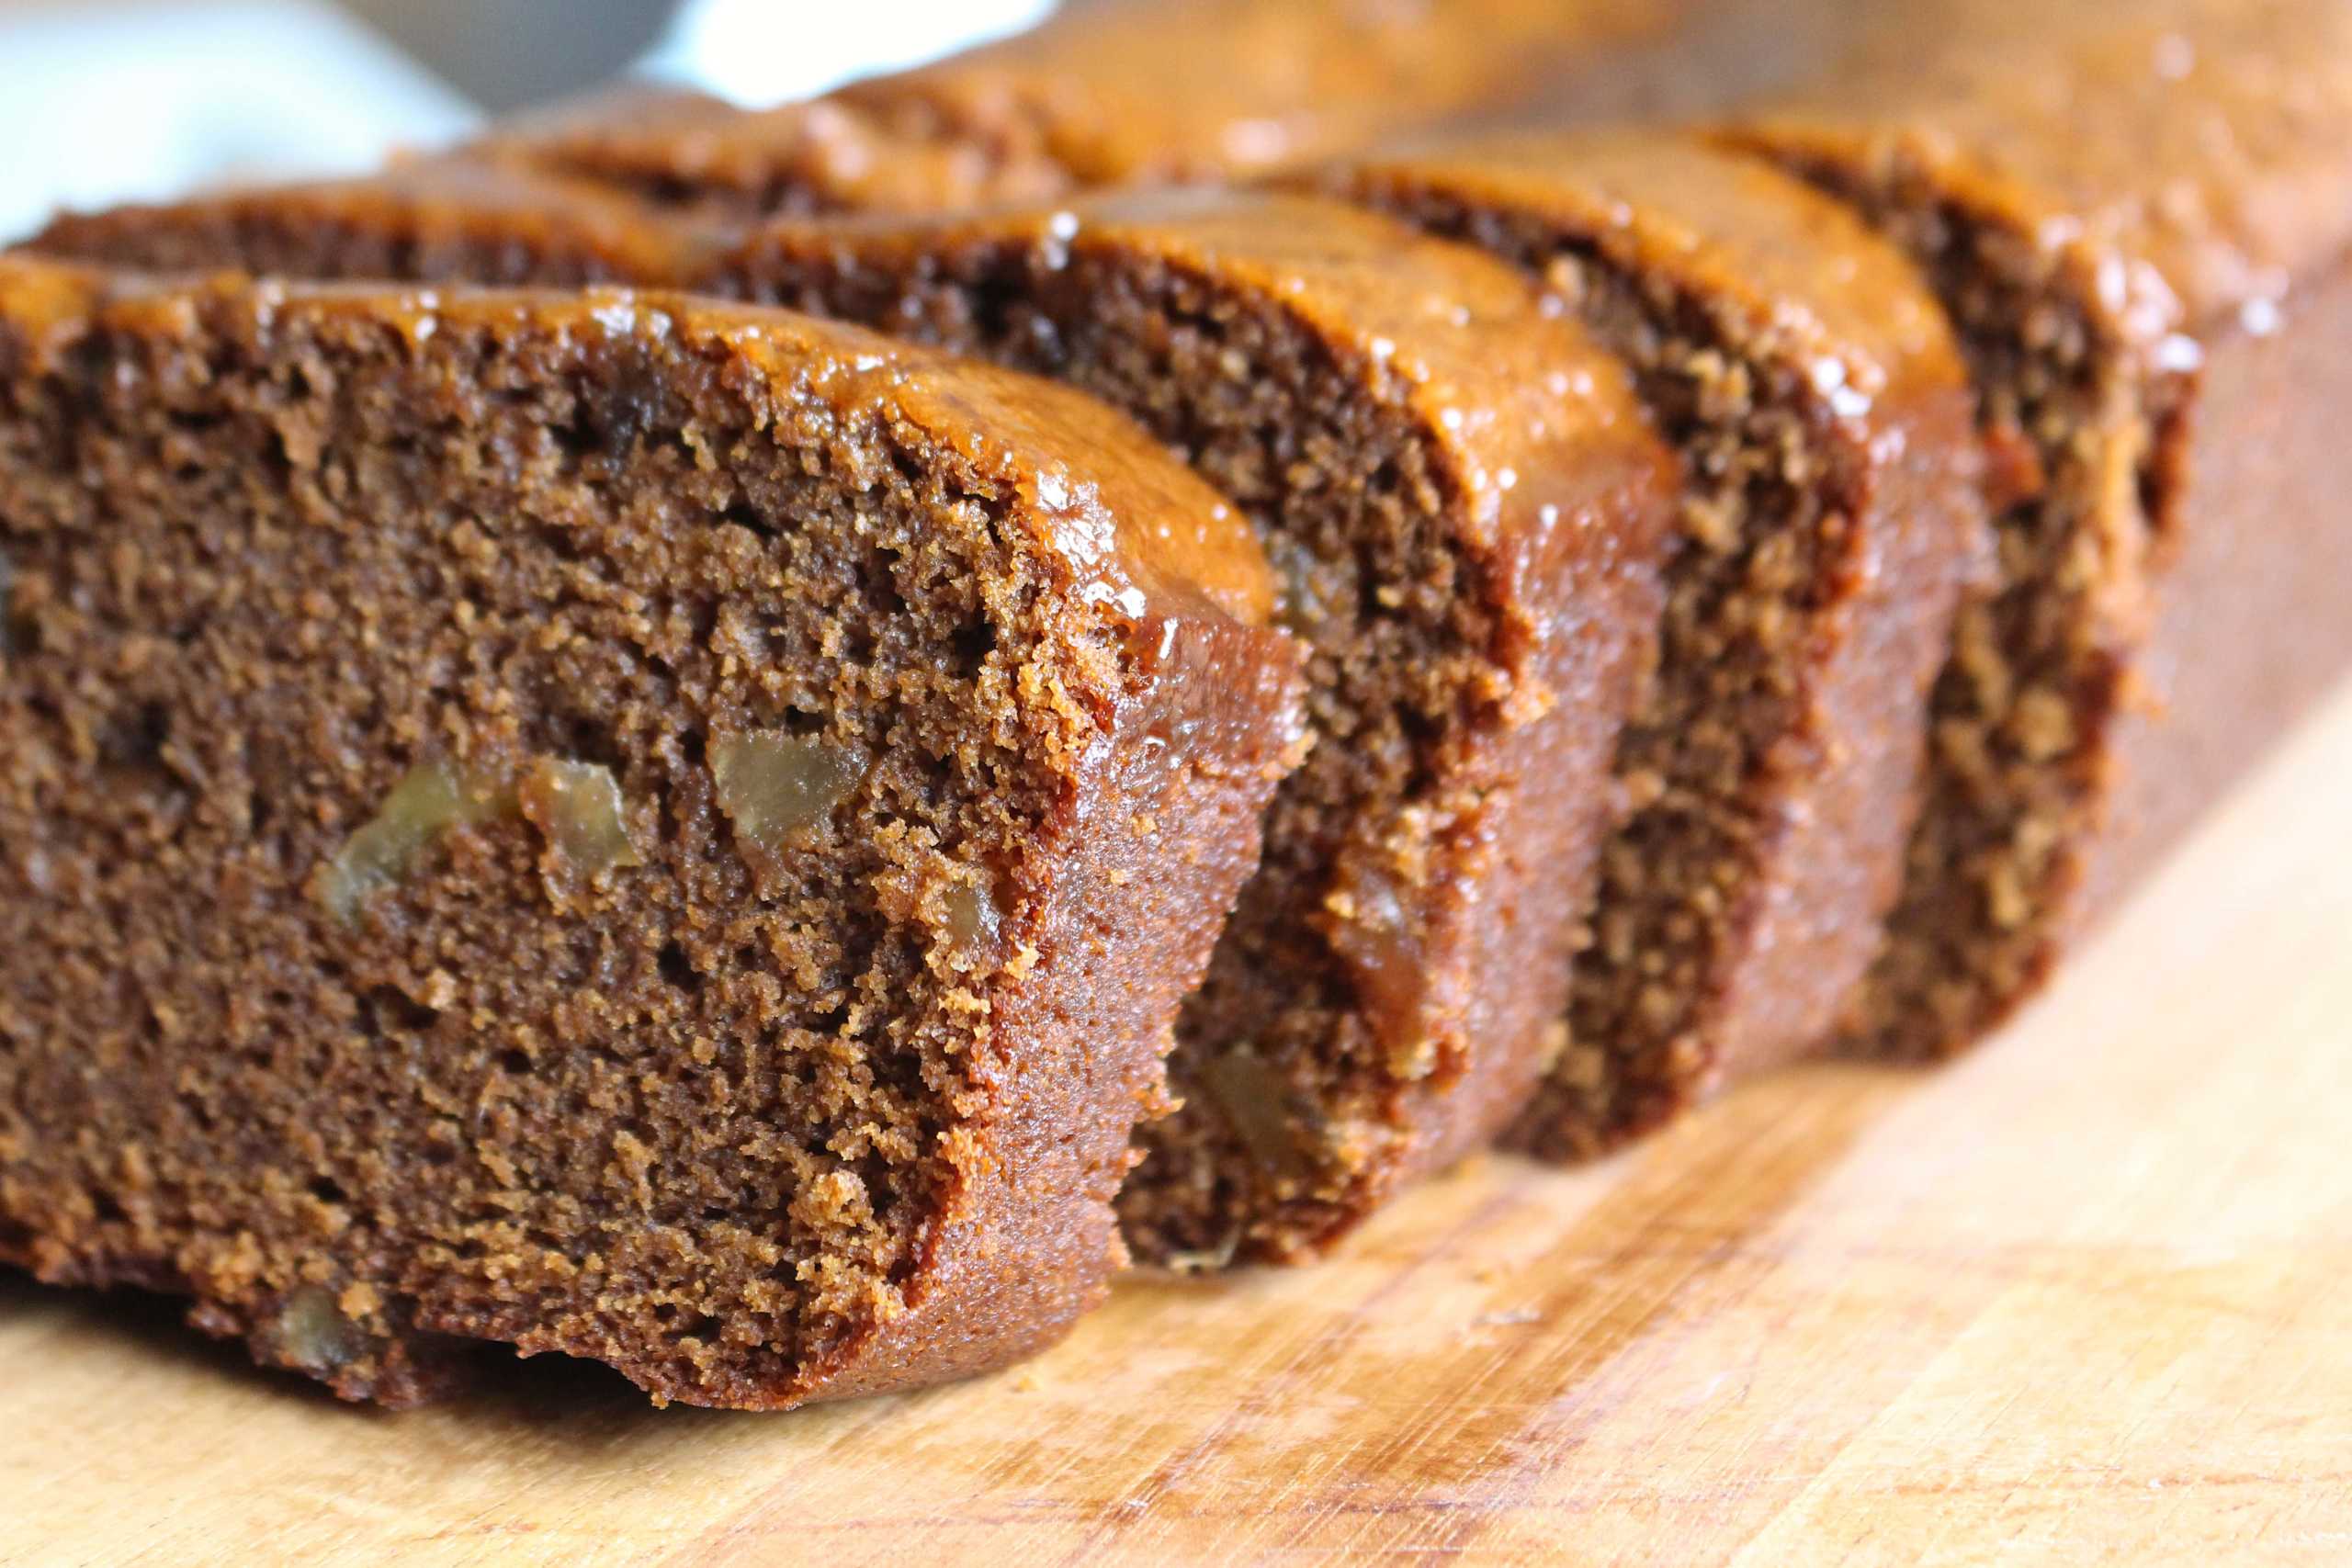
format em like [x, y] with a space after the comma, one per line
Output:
[2085, 1297]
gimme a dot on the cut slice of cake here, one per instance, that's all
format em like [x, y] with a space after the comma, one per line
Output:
[1833, 515]
[2137, 213]
[665, 834]
[1468, 511]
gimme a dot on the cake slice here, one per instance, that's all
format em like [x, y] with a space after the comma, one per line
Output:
[2137, 211]
[1833, 515]
[1132, 92]
[1468, 512]
[664, 833]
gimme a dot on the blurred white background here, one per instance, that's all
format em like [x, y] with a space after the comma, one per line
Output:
[104, 102]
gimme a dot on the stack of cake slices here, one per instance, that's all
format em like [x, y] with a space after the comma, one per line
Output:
[761, 745]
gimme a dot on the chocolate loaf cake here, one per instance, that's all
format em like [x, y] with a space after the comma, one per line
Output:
[1833, 514]
[1468, 511]
[1132, 92]
[660, 832]
[2135, 210]
[1344, 329]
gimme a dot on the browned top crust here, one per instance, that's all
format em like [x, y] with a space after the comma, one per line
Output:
[1783, 269]
[1102, 95]
[1364, 287]
[2180, 159]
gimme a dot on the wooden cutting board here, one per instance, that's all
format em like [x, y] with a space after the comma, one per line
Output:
[2085, 1297]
